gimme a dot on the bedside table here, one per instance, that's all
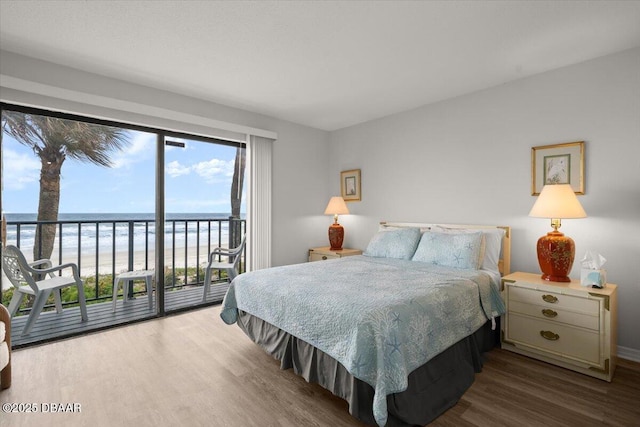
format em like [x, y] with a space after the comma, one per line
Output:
[325, 252]
[565, 324]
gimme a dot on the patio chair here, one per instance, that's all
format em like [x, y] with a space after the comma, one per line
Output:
[231, 266]
[37, 279]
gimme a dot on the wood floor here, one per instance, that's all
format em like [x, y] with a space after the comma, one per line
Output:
[191, 369]
[51, 325]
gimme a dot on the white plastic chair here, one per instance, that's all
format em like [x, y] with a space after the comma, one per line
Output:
[231, 266]
[37, 279]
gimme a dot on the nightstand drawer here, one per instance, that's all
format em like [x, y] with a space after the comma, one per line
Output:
[556, 315]
[325, 253]
[554, 300]
[321, 257]
[554, 337]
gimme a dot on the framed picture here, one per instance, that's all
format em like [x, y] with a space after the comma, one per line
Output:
[350, 185]
[558, 164]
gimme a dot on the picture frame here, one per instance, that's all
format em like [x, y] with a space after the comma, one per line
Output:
[558, 164]
[350, 187]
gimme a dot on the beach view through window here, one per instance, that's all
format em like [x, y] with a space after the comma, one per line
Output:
[83, 192]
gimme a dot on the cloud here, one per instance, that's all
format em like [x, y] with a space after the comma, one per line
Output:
[174, 169]
[215, 171]
[19, 170]
[140, 148]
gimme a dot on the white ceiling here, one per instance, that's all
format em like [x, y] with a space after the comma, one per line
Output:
[323, 64]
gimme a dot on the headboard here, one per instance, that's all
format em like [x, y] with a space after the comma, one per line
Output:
[504, 264]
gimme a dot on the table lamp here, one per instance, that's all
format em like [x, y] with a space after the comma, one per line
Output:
[336, 207]
[556, 251]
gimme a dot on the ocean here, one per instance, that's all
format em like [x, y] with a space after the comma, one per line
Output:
[89, 230]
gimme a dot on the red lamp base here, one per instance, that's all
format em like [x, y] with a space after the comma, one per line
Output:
[555, 256]
[336, 236]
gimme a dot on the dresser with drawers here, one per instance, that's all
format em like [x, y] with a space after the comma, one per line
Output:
[561, 323]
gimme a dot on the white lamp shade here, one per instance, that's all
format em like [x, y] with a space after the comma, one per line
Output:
[336, 206]
[557, 201]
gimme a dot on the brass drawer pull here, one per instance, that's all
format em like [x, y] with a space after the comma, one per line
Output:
[549, 313]
[548, 335]
[549, 298]
[324, 257]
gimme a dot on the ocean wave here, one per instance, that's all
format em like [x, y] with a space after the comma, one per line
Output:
[108, 233]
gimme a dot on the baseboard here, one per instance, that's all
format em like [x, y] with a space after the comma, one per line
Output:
[629, 353]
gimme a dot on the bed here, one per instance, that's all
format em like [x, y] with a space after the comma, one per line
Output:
[397, 332]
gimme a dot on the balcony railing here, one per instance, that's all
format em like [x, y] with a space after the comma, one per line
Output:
[104, 248]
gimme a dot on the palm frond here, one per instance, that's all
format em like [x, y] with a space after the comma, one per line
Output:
[53, 137]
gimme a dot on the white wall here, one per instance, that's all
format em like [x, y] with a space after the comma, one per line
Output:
[468, 160]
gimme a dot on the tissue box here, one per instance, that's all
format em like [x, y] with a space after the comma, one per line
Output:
[595, 278]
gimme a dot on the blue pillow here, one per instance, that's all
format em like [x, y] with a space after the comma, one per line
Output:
[462, 250]
[399, 244]
[492, 244]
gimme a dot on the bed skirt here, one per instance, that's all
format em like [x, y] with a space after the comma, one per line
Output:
[433, 388]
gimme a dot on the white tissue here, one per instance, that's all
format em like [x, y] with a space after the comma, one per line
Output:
[591, 272]
[593, 261]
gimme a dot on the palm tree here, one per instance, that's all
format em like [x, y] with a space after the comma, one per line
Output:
[53, 140]
[236, 196]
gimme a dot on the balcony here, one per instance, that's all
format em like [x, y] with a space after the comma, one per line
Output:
[104, 248]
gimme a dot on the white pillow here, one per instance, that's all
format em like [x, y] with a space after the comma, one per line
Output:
[493, 243]
[4, 354]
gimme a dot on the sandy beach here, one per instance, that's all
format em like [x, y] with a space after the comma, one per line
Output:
[106, 261]
[87, 262]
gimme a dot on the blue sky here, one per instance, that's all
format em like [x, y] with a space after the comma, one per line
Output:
[197, 179]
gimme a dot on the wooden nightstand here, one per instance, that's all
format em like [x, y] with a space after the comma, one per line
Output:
[561, 323]
[325, 252]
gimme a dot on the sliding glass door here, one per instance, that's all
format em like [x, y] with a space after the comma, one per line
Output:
[89, 192]
[202, 181]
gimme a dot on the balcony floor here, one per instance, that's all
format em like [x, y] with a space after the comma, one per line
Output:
[51, 325]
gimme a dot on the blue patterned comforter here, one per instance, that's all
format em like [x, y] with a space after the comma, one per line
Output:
[380, 318]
